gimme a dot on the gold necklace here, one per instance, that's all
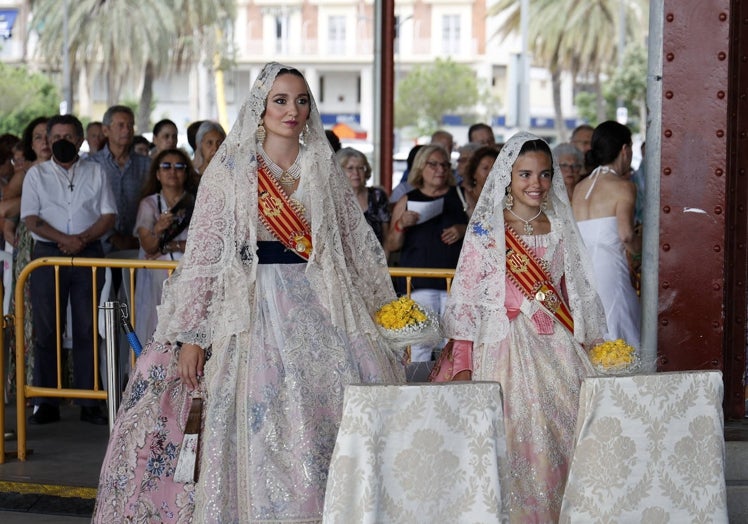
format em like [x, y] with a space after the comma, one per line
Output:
[286, 177]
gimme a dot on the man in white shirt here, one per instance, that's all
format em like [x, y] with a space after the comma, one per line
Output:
[67, 205]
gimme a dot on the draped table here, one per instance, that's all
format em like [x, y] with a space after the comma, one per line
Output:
[649, 448]
[418, 454]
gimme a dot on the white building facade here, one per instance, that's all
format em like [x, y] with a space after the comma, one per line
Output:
[332, 42]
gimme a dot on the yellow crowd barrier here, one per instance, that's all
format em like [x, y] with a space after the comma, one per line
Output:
[25, 391]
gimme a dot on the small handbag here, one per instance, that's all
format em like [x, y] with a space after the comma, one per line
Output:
[187, 468]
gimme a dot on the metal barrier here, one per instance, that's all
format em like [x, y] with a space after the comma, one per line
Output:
[25, 391]
[6, 321]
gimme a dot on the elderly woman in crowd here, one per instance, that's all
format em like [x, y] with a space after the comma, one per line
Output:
[210, 135]
[570, 162]
[429, 224]
[372, 200]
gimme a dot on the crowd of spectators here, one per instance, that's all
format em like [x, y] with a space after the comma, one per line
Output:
[130, 197]
[122, 196]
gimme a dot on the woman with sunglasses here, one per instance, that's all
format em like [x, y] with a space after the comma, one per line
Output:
[425, 241]
[163, 219]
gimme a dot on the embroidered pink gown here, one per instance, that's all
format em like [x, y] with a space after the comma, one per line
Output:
[540, 368]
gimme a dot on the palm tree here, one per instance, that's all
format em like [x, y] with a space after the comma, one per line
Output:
[205, 37]
[116, 38]
[195, 40]
[130, 37]
[574, 36]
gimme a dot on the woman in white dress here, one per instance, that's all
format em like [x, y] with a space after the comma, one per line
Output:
[603, 205]
[272, 322]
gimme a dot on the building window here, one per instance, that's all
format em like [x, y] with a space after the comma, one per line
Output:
[336, 35]
[281, 34]
[451, 34]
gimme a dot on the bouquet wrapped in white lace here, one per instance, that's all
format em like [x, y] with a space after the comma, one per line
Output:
[615, 357]
[403, 322]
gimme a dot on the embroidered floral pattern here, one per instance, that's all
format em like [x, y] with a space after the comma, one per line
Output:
[650, 449]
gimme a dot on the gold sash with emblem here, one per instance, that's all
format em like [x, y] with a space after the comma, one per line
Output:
[280, 215]
[530, 275]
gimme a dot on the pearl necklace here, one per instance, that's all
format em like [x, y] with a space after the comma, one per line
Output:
[528, 226]
[286, 177]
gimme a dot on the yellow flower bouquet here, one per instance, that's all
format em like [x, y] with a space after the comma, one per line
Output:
[614, 357]
[403, 321]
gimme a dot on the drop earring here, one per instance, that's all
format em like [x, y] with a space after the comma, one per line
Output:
[261, 132]
[509, 200]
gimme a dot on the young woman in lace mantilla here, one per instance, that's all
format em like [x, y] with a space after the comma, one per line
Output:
[271, 328]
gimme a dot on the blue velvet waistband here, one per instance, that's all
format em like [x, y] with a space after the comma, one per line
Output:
[271, 252]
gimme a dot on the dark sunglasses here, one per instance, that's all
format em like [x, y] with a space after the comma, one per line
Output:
[179, 166]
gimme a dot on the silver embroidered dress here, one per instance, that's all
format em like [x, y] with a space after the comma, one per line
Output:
[284, 338]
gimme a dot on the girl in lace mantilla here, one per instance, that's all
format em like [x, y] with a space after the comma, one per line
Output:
[526, 333]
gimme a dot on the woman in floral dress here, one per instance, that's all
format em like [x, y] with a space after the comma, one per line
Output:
[271, 328]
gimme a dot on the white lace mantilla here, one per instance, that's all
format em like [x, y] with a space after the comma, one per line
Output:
[475, 309]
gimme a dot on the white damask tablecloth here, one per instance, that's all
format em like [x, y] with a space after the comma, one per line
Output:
[426, 453]
[650, 448]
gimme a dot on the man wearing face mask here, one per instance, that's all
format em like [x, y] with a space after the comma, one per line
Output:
[68, 205]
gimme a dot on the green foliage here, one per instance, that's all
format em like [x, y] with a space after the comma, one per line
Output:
[585, 102]
[628, 83]
[23, 97]
[431, 91]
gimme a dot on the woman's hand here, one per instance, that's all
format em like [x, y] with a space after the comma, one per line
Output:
[452, 234]
[162, 223]
[409, 219]
[465, 374]
[190, 364]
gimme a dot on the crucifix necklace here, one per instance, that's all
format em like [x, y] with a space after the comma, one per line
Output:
[70, 178]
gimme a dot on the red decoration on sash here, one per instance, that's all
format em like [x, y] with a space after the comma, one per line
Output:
[531, 276]
[280, 215]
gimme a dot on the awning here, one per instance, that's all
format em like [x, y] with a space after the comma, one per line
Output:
[345, 130]
[7, 19]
